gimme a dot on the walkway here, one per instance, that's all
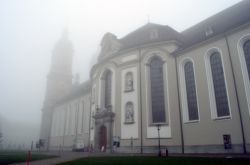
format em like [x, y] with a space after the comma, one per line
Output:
[68, 156]
[63, 157]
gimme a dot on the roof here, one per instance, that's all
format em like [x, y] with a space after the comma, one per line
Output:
[224, 21]
[219, 23]
[142, 36]
[76, 91]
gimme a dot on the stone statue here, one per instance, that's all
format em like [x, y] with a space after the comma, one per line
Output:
[129, 82]
[129, 113]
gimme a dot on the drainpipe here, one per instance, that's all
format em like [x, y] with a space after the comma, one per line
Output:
[65, 118]
[140, 99]
[178, 93]
[237, 98]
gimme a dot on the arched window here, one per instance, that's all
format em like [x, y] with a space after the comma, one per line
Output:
[246, 48]
[107, 88]
[191, 91]
[129, 113]
[129, 82]
[219, 85]
[157, 90]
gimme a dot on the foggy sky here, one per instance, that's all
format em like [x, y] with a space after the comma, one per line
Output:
[30, 28]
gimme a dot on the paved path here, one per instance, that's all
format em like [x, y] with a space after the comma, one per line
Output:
[68, 156]
[63, 157]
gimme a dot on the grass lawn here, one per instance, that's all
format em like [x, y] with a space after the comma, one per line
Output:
[157, 161]
[7, 157]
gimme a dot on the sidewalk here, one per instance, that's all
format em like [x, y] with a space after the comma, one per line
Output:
[63, 157]
[68, 156]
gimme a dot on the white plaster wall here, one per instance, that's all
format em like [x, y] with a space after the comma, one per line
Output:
[79, 117]
[129, 58]
[72, 125]
[53, 125]
[129, 130]
[57, 123]
[67, 121]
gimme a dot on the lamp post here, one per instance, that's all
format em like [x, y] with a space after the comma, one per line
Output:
[159, 143]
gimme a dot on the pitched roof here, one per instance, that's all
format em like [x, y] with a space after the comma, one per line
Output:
[142, 36]
[76, 91]
[221, 22]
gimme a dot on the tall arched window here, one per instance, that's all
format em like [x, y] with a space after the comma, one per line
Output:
[157, 90]
[219, 85]
[191, 91]
[246, 48]
[108, 86]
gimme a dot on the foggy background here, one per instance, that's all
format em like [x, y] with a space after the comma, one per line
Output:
[30, 28]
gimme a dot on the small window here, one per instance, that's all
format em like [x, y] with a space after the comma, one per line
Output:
[209, 31]
[153, 34]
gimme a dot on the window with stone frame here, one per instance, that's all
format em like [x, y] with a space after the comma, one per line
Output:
[220, 92]
[246, 48]
[157, 90]
[191, 91]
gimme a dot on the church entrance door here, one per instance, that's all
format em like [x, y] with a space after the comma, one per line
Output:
[103, 138]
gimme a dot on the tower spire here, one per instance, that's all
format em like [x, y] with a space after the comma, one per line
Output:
[59, 82]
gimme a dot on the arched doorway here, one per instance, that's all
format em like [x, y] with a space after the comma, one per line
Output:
[103, 137]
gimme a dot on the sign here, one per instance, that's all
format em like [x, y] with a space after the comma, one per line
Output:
[227, 142]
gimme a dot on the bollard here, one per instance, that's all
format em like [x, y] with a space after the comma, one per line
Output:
[166, 152]
[28, 158]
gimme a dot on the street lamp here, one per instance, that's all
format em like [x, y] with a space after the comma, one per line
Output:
[159, 143]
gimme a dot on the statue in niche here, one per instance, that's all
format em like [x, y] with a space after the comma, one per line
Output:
[129, 82]
[129, 113]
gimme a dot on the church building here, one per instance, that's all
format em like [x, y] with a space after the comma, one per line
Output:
[188, 90]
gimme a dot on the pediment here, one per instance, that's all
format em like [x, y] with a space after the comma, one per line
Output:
[109, 44]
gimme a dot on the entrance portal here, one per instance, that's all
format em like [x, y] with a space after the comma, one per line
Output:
[103, 138]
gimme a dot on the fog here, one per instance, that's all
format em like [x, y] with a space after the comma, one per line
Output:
[30, 28]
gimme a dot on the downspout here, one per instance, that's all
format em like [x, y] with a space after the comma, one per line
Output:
[140, 98]
[65, 119]
[90, 106]
[178, 93]
[237, 98]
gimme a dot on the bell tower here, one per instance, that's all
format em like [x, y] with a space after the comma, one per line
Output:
[59, 82]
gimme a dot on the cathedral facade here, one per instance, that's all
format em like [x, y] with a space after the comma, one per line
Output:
[189, 90]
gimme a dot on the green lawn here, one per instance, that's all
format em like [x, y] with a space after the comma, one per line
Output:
[157, 161]
[7, 157]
